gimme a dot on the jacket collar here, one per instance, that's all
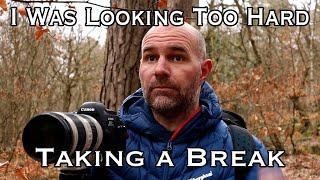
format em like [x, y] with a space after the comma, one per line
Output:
[137, 116]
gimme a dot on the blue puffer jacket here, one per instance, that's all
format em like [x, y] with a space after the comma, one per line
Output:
[204, 131]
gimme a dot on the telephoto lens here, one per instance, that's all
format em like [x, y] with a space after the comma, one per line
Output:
[91, 128]
[63, 132]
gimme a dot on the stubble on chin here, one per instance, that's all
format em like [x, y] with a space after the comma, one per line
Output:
[164, 103]
[170, 104]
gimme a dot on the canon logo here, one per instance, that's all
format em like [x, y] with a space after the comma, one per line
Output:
[87, 109]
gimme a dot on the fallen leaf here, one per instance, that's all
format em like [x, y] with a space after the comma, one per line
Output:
[22, 11]
[3, 5]
[19, 172]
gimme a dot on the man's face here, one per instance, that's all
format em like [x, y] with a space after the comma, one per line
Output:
[170, 71]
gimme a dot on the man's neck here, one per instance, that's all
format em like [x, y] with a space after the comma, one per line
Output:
[173, 122]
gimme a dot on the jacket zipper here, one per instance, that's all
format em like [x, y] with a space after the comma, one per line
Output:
[174, 135]
[169, 146]
[166, 167]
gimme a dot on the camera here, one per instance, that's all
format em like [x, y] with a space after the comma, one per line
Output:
[91, 128]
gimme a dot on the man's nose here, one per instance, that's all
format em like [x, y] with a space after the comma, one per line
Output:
[162, 67]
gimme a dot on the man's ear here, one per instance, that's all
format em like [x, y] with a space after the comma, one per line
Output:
[206, 67]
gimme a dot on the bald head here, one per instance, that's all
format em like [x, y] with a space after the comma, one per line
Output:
[172, 69]
[186, 30]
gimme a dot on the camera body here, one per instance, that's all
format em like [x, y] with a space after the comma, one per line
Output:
[91, 128]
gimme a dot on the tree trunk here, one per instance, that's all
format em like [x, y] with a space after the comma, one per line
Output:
[122, 58]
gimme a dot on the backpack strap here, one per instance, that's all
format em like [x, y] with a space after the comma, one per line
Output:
[230, 117]
[242, 140]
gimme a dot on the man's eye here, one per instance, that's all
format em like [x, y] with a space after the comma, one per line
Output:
[177, 58]
[151, 58]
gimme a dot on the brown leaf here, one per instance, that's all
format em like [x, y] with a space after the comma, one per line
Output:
[3, 5]
[22, 11]
[19, 172]
[162, 4]
[38, 27]
[40, 32]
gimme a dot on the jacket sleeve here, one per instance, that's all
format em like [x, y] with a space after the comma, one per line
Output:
[257, 172]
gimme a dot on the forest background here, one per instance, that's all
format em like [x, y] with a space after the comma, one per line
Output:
[269, 75]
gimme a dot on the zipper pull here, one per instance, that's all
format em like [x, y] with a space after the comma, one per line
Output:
[169, 146]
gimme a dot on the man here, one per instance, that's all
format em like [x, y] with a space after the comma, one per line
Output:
[175, 110]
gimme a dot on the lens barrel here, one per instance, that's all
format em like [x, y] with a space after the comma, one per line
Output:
[62, 131]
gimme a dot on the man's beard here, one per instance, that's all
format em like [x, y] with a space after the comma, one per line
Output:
[173, 101]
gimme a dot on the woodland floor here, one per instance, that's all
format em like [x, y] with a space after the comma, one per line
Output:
[302, 166]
